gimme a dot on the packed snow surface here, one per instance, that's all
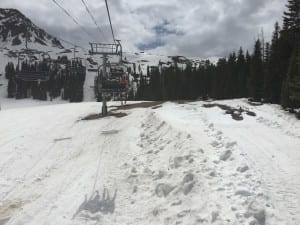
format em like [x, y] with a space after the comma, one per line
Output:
[174, 164]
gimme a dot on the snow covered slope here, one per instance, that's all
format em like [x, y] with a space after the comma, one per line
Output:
[15, 27]
[175, 164]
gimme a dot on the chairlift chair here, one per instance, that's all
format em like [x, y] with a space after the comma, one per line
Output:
[28, 76]
[112, 78]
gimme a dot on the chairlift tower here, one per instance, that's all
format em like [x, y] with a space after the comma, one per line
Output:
[104, 77]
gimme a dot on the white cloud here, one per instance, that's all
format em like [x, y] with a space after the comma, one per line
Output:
[199, 27]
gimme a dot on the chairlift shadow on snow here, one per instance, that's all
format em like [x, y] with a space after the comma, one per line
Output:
[95, 206]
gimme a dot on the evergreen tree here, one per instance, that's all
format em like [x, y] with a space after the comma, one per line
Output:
[257, 75]
[267, 75]
[231, 77]
[242, 75]
[291, 88]
[218, 89]
[276, 71]
[291, 18]
[291, 38]
[294, 80]
[248, 72]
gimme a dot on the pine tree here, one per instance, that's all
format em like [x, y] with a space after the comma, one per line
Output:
[276, 68]
[291, 18]
[248, 72]
[242, 75]
[257, 75]
[291, 90]
[267, 74]
[231, 78]
[291, 37]
[294, 80]
[218, 86]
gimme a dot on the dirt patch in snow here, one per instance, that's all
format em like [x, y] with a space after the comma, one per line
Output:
[100, 116]
[139, 105]
[180, 102]
[6, 210]
[236, 113]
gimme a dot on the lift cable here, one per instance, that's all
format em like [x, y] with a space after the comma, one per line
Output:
[73, 19]
[68, 42]
[112, 31]
[93, 18]
[71, 43]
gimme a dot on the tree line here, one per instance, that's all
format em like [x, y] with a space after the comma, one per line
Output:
[46, 79]
[271, 73]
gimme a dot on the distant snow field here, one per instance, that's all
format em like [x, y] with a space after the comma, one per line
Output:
[175, 164]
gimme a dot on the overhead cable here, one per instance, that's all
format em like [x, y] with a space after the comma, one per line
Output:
[111, 27]
[72, 18]
[93, 18]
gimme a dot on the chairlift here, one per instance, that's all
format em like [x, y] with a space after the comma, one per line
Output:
[73, 67]
[28, 76]
[112, 79]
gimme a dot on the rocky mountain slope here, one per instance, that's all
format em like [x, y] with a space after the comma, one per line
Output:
[15, 26]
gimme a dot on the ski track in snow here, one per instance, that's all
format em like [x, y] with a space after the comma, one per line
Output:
[178, 164]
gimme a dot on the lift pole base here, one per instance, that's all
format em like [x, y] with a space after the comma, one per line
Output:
[104, 106]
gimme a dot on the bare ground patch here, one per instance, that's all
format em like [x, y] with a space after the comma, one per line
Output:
[236, 113]
[100, 116]
[114, 112]
[8, 209]
[139, 105]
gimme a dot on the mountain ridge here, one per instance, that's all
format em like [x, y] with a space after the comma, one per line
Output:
[15, 27]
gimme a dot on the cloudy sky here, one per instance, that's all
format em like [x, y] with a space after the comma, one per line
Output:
[202, 28]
